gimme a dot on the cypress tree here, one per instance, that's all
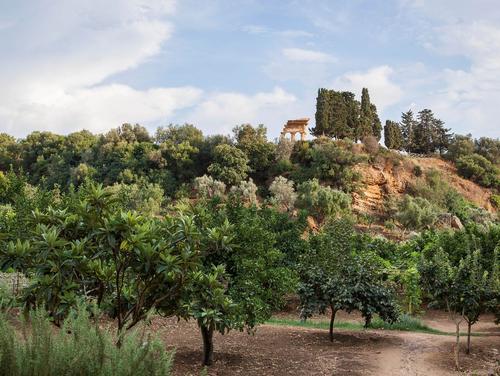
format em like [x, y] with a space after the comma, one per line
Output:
[322, 116]
[392, 135]
[408, 124]
[365, 119]
[376, 124]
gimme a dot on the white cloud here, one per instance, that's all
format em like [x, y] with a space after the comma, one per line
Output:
[308, 56]
[383, 91]
[220, 112]
[99, 109]
[57, 55]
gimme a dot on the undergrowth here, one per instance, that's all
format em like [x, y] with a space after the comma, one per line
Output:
[79, 348]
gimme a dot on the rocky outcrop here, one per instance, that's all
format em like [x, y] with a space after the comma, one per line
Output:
[388, 179]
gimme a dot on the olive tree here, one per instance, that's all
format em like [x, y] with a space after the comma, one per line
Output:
[283, 193]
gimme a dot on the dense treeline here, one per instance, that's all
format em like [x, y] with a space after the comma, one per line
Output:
[340, 115]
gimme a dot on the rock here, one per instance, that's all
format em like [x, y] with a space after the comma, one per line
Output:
[456, 223]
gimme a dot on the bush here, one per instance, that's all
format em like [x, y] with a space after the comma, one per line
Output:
[480, 170]
[371, 144]
[143, 197]
[208, 187]
[80, 347]
[322, 201]
[416, 213]
[246, 191]
[495, 200]
[283, 193]
[417, 171]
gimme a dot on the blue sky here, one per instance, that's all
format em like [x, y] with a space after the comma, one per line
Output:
[96, 64]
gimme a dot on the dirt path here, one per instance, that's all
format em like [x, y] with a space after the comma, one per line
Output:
[280, 350]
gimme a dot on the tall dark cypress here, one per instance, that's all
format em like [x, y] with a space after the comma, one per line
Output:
[376, 125]
[392, 135]
[323, 112]
[408, 124]
[365, 118]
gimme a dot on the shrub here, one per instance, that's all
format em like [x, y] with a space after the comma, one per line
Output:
[480, 170]
[284, 149]
[333, 162]
[371, 144]
[495, 200]
[80, 347]
[208, 187]
[246, 191]
[417, 171]
[416, 213]
[143, 197]
[322, 201]
[283, 193]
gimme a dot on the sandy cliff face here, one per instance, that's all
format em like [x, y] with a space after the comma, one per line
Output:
[384, 180]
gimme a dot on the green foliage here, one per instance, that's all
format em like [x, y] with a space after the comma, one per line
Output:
[460, 146]
[230, 164]
[393, 138]
[246, 191]
[495, 200]
[331, 162]
[416, 213]
[92, 250]
[142, 197]
[207, 187]
[80, 347]
[283, 193]
[260, 153]
[488, 148]
[479, 169]
[335, 274]
[417, 171]
[243, 276]
[425, 135]
[322, 201]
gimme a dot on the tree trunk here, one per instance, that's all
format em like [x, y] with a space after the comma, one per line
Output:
[469, 326]
[208, 345]
[457, 347]
[332, 319]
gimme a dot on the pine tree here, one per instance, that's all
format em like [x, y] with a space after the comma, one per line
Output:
[429, 134]
[392, 135]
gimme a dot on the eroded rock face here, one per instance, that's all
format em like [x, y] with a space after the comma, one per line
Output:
[386, 179]
[380, 182]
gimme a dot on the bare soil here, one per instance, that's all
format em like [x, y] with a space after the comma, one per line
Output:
[288, 350]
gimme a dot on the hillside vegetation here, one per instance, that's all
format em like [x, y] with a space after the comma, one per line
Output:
[222, 230]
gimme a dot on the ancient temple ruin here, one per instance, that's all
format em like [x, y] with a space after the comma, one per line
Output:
[295, 126]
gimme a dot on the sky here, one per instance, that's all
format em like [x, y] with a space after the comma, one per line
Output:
[95, 64]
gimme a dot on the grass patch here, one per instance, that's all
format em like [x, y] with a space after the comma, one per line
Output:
[406, 323]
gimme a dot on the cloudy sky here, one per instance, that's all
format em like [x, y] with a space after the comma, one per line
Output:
[95, 64]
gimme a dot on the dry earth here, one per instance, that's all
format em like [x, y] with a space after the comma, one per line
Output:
[382, 179]
[287, 350]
